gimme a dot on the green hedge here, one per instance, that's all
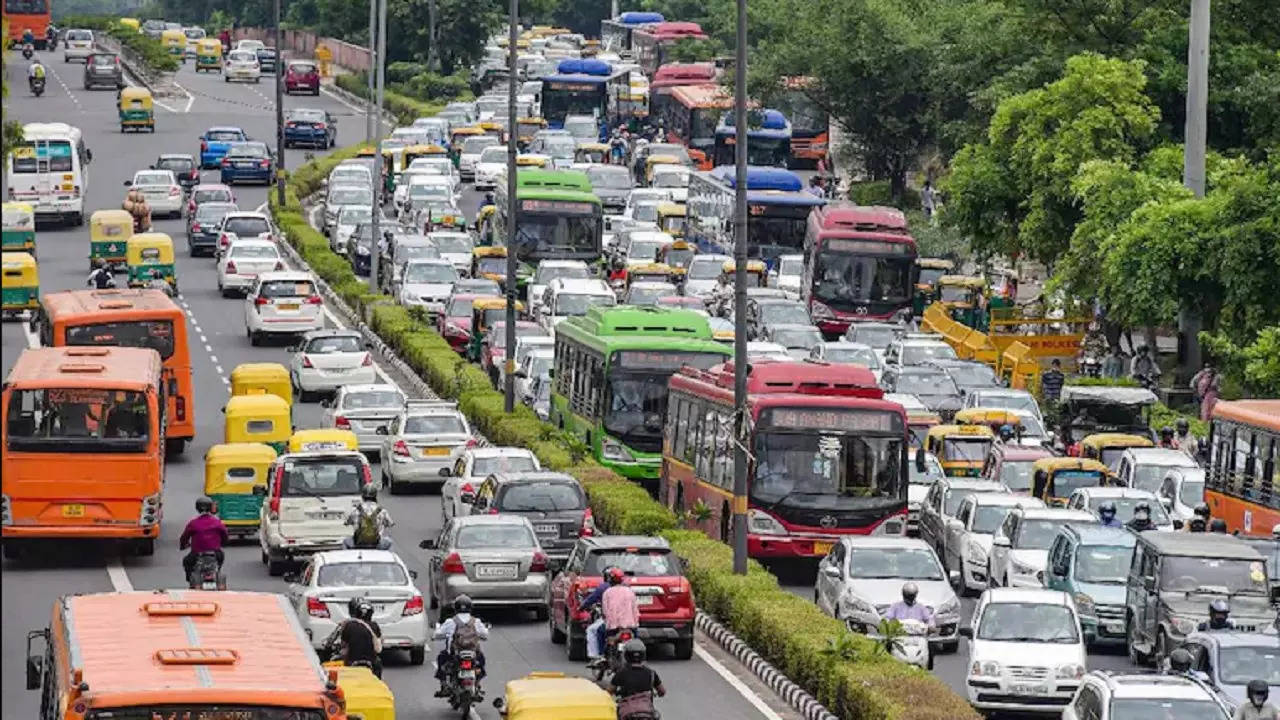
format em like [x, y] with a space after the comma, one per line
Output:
[848, 673]
[404, 108]
[148, 50]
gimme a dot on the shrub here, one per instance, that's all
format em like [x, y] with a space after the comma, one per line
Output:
[430, 86]
[398, 72]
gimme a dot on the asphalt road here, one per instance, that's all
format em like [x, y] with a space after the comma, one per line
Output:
[517, 646]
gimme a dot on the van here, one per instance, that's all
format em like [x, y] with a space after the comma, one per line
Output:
[1091, 562]
[571, 297]
[1175, 575]
[308, 497]
[1144, 468]
[48, 170]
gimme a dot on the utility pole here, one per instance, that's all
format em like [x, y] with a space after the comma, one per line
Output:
[614, 10]
[740, 297]
[373, 63]
[432, 55]
[279, 111]
[509, 390]
[375, 252]
[1189, 319]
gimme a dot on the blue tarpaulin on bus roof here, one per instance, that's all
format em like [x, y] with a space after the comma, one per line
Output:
[640, 18]
[767, 119]
[760, 178]
[584, 66]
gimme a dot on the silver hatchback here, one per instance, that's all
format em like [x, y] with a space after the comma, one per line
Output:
[421, 441]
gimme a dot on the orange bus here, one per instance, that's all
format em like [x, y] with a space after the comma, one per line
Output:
[22, 15]
[690, 115]
[83, 447]
[179, 655]
[1242, 481]
[810, 123]
[129, 318]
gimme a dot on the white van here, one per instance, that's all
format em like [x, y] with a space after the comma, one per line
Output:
[48, 170]
[570, 297]
[308, 497]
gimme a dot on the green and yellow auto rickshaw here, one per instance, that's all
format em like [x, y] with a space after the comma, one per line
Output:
[413, 152]
[109, 233]
[149, 253]
[208, 55]
[137, 110]
[262, 378]
[20, 285]
[265, 419]
[232, 471]
[19, 228]
[964, 296]
[457, 136]
[175, 43]
[931, 270]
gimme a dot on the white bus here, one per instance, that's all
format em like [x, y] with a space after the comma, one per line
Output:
[48, 169]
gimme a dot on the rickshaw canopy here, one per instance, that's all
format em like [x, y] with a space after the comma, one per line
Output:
[174, 38]
[1048, 473]
[991, 417]
[367, 696]
[556, 696]
[264, 378]
[209, 46]
[649, 271]
[258, 418]
[532, 160]
[966, 463]
[322, 439]
[151, 248]
[135, 98]
[20, 286]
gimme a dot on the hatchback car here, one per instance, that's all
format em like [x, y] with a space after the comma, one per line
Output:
[761, 313]
[215, 142]
[307, 127]
[493, 559]
[1091, 562]
[204, 227]
[247, 162]
[1106, 695]
[969, 539]
[308, 497]
[183, 167]
[103, 69]
[321, 592]
[301, 76]
[243, 225]
[1020, 548]
[554, 502]
[421, 441]
[245, 260]
[282, 303]
[161, 189]
[242, 66]
[208, 192]
[325, 360]
[363, 409]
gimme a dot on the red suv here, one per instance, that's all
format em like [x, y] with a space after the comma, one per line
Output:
[301, 75]
[653, 571]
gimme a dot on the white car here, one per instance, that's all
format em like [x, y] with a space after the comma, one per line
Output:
[363, 409]
[969, 540]
[1019, 401]
[252, 46]
[308, 496]
[242, 65]
[243, 262]
[787, 274]
[847, 352]
[916, 351]
[1020, 548]
[423, 199]
[454, 246]
[642, 246]
[758, 350]
[1181, 491]
[674, 179]
[645, 293]
[412, 175]
[924, 469]
[1145, 468]
[704, 274]
[321, 592]
[470, 153]
[532, 362]
[648, 196]
[325, 360]
[435, 166]
[350, 174]
[1125, 499]
[421, 441]
[161, 189]
[77, 43]
[1027, 652]
[348, 218]
[471, 467]
[1106, 695]
[491, 163]
[426, 283]
[282, 302]
[547, 271]
[339, 196]
[572, 297]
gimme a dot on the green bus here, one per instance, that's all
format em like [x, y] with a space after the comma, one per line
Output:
[609, 380]
[558, 217]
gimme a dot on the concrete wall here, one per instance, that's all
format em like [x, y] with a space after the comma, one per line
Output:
[303, 44]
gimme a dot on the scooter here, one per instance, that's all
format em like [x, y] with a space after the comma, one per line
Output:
[205, 573]
[37, 86]
[27, 51]
[913, 646]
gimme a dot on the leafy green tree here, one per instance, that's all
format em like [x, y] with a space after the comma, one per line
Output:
[1256, 364]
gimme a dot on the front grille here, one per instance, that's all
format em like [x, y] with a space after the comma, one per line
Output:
[1028, 672]
[1110, 612]
[1046, 701]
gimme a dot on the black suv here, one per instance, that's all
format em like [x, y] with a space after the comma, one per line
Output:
[103, 69]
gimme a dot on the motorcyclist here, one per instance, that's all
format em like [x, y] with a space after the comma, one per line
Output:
[1144, 368]
[1107, 515]
[1166, 438]
[463, 631]
[28, 38]
[1219, 616]
[595, 631]
[1141, 519]
[35, 73]
[358, 639]
[1218, 525]
[619, 605]
[1199, 519]
[101, 278]
[203, 533]
[1257, 708]
[369, 520]
[51, 37]
[156, 281]
[1180, 662]
[635, 685]
[1006, 433]
[908, 608]
[1184, 439]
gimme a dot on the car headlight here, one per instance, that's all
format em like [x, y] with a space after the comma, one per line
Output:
[1070, 671]
[990, 668]
[1084, 604]
[854, 604]
[1184, 625]
[451, 328]
[762, 523]
[950, 607]
[976, 554]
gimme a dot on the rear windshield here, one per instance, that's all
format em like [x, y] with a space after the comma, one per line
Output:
[512, 463]
[103, 59]
[540, 496]
[372, 399]
[429, 273]
[472, 537]
[251, 151]
[334, 344]
[224, 135]
[322, 477]
[176, 164]
[287, 289]
[247, 226]
[434, 424]
[651, 562]
[361, 574]
[213, 212]
[211, 194]
[154, 334]
[308, 116]
[459, 308]
[79, 35]
[153, 178]
[302, 68]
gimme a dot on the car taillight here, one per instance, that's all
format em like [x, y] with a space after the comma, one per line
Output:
[279, 265]
[264, 163]
[231, 266]
[588, 524]
[204, 146]
[539, 563]
[368, 360]
[260, 301]
[291, 124]
[180, 407]
[492, 511]
[223, 240]
[174, 190]
[413, 607]
[401, 449]
[320, 126]
[226, 162]
[195, 173]
[367, 473]
[623, 637]
[472, 442]
[315, 300]
[341, 422]
[315, 608]
[452, 565]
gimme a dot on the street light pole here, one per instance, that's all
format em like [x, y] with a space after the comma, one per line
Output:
[375, 251]
[740, 297]
[279, 111]
[509, 389]
[373, 60]
[1193, 159]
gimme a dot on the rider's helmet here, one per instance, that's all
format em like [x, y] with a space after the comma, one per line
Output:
[1166, 433]
[204, 504]
[369, 492]
[1142, 511]
[462, 604]
[1219, 609]
[1006, 432]
[1197, 524]
[1107, 510]
[1202, 510]
[1218, 525]
[1180, 660]
[99, 263]
[1275, 531]
[909, 592]
[360, 609]
[634, 651]
[1182, 426]
[1257, 691]
[614, 576]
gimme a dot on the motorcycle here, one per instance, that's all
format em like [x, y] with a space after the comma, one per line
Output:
[27, 51]
[614, 660]
[205, 573]
[913, 646]
[461, 683]
[37, 86]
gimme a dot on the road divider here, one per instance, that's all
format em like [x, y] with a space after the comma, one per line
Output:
[851, 676]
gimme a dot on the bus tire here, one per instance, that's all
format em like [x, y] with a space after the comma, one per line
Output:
[13, 550]
[145, 547]
[175, 446]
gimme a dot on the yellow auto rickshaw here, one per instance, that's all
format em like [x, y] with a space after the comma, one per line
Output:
[19, 228]
[527, 127]
[653, 161]
[931, 269]
[137, 111]
[650, 272]
[322, 439]
[484, 219]
[131, 23]
[1053, 479]
[555, 696]
[485, 312]
[757, 273]
[919, 423]
[367, 697]
[413, 152]
[532, 160]
[672, 218]
[149, 253]
[677, 255]
[232, 472]
[258, 419]
[489, 262]
[962, 449]
[962, 296]
[591, 153]
[457, 137]
[208, 55]
[493, 129]
[994, 418]
[20, 289]
[264, 378]
[1107, 448]
[175, 43]
[109, 233]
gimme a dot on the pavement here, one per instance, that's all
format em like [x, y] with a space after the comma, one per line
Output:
[711, 684]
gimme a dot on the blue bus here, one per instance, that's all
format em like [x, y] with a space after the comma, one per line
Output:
[768, 139]
[615, 34]
[584, 87]
[777, 212]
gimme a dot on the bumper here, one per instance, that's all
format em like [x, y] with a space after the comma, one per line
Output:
[946, 629]
[287, 327]
[1026, 581]
[531, 591]
[301, 86]
[242, 75]
[314, 139]
[238, 282]
[425, 472]
[313, 380]
[973, 574]
[1104, 631]
[657, 631]
[211, 158]
[232, 176]
[200, 241]
[296, 548]
[811, 544]
[81, 53]
[80, 531]
[92, 80]
[485, 182]
[52, 206]
[1030, 697]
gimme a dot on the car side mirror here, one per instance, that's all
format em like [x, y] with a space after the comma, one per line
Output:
[381, 430]
[1167, 503]
[954, 577]
[260, 490]
[413, 574]
[293, 577]
[1177, 524]
[832, 572]
[445, 472]
[88, 155]
[427, 545]
[966, 632]
[1001, 541]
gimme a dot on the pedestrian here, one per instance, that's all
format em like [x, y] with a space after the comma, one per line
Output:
[1113, 365]
[928, 201]
[1051, 381]
[815, 186]
[1206, 385]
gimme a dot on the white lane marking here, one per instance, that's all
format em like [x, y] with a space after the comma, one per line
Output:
[203, 339]
[747, 693]
[208, 348]
[191, 98]
[32, 337]
[119, 579]
[56, 76]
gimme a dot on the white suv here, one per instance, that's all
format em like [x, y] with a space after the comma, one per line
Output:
[308, 496]
[1026, 651]
[1113, 696]
[282, 303]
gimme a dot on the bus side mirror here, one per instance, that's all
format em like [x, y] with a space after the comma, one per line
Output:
[173, 386]
[35, 672]
[920, 465]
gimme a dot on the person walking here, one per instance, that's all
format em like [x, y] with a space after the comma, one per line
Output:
[1207, 386]
[928, 201]
[1052, 380]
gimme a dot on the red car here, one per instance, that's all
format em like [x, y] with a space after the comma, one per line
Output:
[493, 350]
[454, 324]
[653, 571]
[1011, 465]
[301, 75]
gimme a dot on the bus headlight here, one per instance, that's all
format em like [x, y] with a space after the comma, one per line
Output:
[149, 513]
[762, 523]
[615, 451]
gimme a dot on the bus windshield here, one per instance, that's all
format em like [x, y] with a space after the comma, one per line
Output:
[195, 710]
[26, 7]
[558, 102]
[577, 232]
[826, 469]
[78, 420]
[779, 232]
[846, 280]
[636, 400]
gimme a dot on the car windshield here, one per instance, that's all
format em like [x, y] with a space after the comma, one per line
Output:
[495, 154]
[579, 303]
[1017, 474]
[361, 574]
[645, 211]
[494, 535]
[804, 338]
[783, 313]
[434, 425]
[101, 59]
[351, 196]
[460, 308]
[548, 272]
[225, 136]
[988, 517]
[1028, 622]
[541, 496]
[1126, 505]
[920, 354]
[205, 195]
[429, 273]
[926, 382]
[786, 265]
[860, 356]
[1108, 564]
[485, 466]
[424, 191]
[246, 226]
[672, 179]
[474, 145]
[349, 175]
[355, 215]
[286, 289]
[254, 251]
[954, 498]
[609, 178]
[1180, 573]
[645, 250]
[648, 295]
[372, 399]
[964, 448]
[649, 562]
[301, 68]
[1239, 665]
[709, 268]
[313, 116]
[322, 477]
[247, 151]
[894, 563]
[1148, 477]
[453, 243]
[243, 56]
[1037, 534]
[973, 375]
[153, 178]
[1016, 401]
[1191, 492]
[79, 35]
[876, 337]
[1161, 709]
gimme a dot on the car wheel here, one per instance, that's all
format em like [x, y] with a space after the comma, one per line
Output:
[557, 635]
[145, 547]
[417, 655]
[264, 556]
[255, 339]
[683, 648]
[1136, 656]
[432, 600]
[275, 568]
[1162, 648]
[575, 646]
[540, 612]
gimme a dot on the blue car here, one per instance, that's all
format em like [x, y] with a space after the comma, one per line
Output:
[247, 163]
[215, 142]
[305, 127]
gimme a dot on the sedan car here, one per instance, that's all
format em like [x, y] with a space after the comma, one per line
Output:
[932, 386]
[644, 293]
[320, 594]
[103, 69]
[204, 226]
[242, 225]
[301, 76]
[242, 65]
[349, 217]
[1019, 401]
[493, 559]
[426, 284]
[161, 189]
[363, 409]
[215, 142]
[420, 442]
[208, 192]
[307, 127]
[799, 340]
[282, 303]
[244, 261]
[1020, 549]
[758, 350]
[325, 360]
[471, 467]
[917, 351]
[247, 162]
[969, 539]
[554, 502]
[469, 155]
[847, 352]
[861, 577]
[339, 196]
[491, 163]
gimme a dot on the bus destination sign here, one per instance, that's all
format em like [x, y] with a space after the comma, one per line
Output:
[664, 360]
[878, 247]
[833, 419]
[563, 207]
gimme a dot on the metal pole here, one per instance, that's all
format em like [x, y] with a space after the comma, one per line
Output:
[1189, 319]
[279, 111]
[509, 389]
[740, 297]
[613, 10]
[373, 60]
[375, 252]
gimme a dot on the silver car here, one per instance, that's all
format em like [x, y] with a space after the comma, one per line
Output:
[554, 502]
[426, 284]
[496, 560]
[420, 442]
[363, 409]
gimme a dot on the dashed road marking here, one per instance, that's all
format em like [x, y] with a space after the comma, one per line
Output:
[119, 578]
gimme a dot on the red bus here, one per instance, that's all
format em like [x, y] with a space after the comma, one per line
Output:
[23, 15]
[673, 75]
[859, 265]
[828, 455]
[649, 43]
[1242, 481]
[810, 124]
[690, 115]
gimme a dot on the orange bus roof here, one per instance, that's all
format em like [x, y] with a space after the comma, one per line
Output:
[146, 647]
[1260, 413]
[702, 96]
[97, 304]
[113, 368]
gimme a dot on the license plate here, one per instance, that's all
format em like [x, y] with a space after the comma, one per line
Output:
[496, 572]
[72, 511]
[325, 515]
[822, 548]
[546, 529]
[244, 165]
[1115, 627]
[288, 306]
[644, 599]
[1030, 689]
[435, 451]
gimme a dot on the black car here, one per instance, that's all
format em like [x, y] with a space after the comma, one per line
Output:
[307, 127]
[184, 168]
[203, 227]
[360, 249]
[103, 69]
[267, 59]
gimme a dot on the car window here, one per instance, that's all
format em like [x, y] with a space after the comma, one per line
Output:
[954, 498]
[1103, 564]
[153, 178]
[245, 250]
[286, 289]
[355, 214]
[104, 60]
[243, 56]
[649, 562]
[211, 195]
[1190, 573]
[472, 537]
[541, 496]
[1028, 622]
[246, 226]
[885, 563]
[334, 344]
[434, 425]
[1037, 534]
[970, 375]
[429, 272]
[1161, 709]
[212, 213]
[459, 308]
[361, 574]
[372, 399]
[493, 155]
[322, 477]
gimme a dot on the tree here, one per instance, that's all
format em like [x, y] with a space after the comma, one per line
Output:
[1255, 365]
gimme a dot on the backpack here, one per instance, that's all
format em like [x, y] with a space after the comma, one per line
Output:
[466, 636]
[377, 641]
[367, 531]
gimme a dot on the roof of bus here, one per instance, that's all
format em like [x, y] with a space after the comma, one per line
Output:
[846, 216]
[772, 382]
[760, 178]
[703, 96]
[531, 179]
[575, 78]
[116, 368]
[1262, 413]
[645, 323]
[665, 30]
[683, 74]
[102, 304]
[257, 652]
